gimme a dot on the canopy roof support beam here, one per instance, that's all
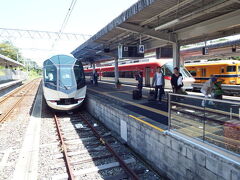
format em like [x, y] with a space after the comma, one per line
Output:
[174, 8]
[208, 9]
[237, 1]
[217, 24]
[168, 37]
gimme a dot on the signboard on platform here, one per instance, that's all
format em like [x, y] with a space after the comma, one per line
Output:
[141, 49]
[130, 51]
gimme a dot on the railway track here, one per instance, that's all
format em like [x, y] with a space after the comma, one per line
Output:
[91, 152]
[205, 123]
[11, 101]
[232, 90]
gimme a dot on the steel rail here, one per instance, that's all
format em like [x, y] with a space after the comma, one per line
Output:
[208, 110]
[129, 171]
[17, 103]
[64, 150]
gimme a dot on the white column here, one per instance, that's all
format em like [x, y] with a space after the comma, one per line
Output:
[93, 67]
[116, 72]
[176, 55]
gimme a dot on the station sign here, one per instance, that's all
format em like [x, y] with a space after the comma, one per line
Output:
[141, 48]
[130, 51]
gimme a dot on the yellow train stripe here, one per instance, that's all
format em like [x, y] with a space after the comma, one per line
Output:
[140, 120]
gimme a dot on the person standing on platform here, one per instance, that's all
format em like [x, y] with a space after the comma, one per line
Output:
[159, 83]
[207, 88]
[217, 89]
[177, 81]
[139, 78]
[95, 78]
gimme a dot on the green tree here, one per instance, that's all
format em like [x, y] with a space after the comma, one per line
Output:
[9, 50]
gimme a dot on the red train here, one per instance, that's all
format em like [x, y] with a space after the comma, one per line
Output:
[127, 72]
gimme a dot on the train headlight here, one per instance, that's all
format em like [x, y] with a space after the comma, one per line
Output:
[80, 99]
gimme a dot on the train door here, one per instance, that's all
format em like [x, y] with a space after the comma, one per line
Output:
[238, 75]
[203, 72]
[147, 76]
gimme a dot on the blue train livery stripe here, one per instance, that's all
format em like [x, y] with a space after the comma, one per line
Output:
[224, 76]
[228, 75]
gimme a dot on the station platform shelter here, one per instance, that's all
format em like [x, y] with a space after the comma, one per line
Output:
[10, 77]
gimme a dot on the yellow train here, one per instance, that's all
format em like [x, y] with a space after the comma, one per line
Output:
[228, 70]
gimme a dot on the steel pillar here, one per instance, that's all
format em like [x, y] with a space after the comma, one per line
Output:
[176, 55]
[116, 72]
[93, 67]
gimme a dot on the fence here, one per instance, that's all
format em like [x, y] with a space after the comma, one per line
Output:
[209, 120]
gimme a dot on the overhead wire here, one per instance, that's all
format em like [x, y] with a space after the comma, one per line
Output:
[65, 21]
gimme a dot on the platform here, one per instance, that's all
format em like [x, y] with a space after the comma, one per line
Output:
[175, 150]
[145, 109]
[142, 109]
[7, 86]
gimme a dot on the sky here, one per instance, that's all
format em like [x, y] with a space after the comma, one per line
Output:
[88, 17]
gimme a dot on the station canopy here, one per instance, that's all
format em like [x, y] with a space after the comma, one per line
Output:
[157, 23]
[6, 61]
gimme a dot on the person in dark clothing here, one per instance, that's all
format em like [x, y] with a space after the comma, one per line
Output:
[217, 88]
[95, 78]
[139, 78]
[177, 81]
[159, 83]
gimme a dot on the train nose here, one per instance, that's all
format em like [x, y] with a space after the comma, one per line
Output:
[79, 99]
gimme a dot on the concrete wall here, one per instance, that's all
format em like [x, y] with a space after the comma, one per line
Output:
[174, 156]
[10, 74]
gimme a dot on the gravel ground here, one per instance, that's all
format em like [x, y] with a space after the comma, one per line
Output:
[12, 134]
[49, 166]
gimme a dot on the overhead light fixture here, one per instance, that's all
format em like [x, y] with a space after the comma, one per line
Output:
[98, 52]
[167, 25]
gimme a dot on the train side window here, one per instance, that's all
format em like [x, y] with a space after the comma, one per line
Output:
[238, 68]
[203, 72]
[231, 68]
[122, 74]
[222, 70]
[50, 77]
[79, 74]
[108, 74]
[167, 71]
[193, 73]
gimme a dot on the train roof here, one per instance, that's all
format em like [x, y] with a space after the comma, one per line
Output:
[160, 62]
[211, 63]
[61, 59]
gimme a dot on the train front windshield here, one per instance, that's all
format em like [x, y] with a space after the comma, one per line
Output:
[66, 77]
[168, 70]
[63, 73]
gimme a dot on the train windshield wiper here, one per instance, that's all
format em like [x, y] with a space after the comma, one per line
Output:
[63, 84]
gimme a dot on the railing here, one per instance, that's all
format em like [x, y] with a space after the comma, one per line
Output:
[209, 120]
